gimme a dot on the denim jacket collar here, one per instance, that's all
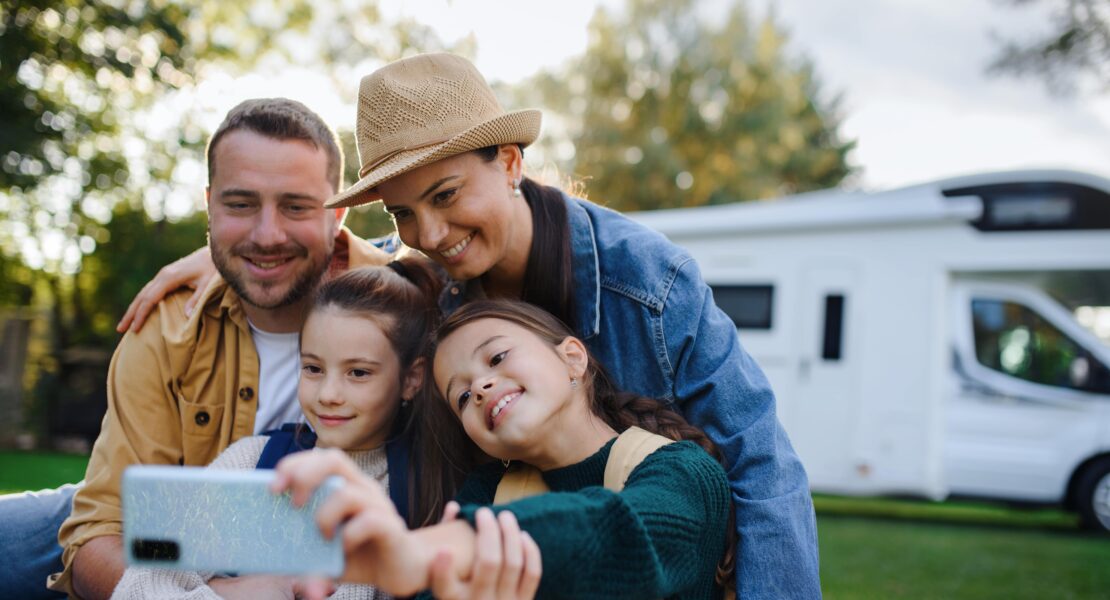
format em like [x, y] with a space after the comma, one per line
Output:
[587, 274]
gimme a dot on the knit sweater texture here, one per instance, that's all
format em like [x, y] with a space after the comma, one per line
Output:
[139, 583]
[662, 536]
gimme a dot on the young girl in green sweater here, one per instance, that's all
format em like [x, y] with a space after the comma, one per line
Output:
[525, 390]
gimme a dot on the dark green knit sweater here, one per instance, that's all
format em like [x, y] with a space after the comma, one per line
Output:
[661, 537]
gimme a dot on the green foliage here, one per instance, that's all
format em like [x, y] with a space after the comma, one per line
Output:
[668, 109]
[1077, 45]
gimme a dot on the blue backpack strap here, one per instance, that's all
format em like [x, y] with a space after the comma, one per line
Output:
[292, 437]
[398, 454]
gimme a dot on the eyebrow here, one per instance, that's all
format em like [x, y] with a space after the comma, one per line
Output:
[347, 361]
[477, 349]
[438, 183]
[239, 192]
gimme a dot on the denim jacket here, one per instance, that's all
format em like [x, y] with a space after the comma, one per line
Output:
[644, 311]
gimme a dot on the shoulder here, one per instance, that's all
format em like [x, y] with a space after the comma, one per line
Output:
[632, 258]
[241, 455]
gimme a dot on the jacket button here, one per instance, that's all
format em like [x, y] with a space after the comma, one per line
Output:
[246, 393]
[202, 418]
[455, 291]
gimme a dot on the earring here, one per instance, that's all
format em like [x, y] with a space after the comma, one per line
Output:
[506, 462]
[573, 382]
[516, 188]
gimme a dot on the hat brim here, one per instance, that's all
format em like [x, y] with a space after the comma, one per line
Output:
[517, 127]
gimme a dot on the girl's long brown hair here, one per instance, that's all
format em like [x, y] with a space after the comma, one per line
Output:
[620, 410]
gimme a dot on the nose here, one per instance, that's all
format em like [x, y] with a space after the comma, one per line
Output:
[483, 387]
[269, 228]
[329, 393]
[432, 230]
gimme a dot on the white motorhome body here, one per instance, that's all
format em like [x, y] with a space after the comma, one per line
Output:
[886, 324]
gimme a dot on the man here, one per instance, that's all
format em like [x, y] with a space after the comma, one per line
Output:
[183, 388]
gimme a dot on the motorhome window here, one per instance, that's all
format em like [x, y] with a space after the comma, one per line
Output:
[1044, 205]
[834, 327]
[749, 306]
[1012, 339]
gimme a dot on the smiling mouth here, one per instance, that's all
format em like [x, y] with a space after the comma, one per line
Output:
[497, 409]
[332, 421]
[268, 263]
[455, 250]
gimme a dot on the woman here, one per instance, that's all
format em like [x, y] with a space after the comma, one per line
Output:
[446, 161]
[525, 390]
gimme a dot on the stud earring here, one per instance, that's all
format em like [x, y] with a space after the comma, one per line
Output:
[516, 188]
[506, 463]
[573, 382]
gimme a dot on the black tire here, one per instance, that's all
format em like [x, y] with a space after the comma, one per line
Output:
[1092, 495]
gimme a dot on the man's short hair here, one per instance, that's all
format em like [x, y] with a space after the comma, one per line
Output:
[281, 119]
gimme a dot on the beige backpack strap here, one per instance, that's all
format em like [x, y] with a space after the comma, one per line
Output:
[519, 481]
[630, 449]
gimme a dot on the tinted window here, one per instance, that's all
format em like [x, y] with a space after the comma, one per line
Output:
[749, 306]
[1012, 339]
[1042, 205]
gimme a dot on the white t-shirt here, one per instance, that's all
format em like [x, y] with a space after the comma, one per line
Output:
[279, 370]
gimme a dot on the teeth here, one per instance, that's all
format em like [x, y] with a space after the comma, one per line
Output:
[454, 251]
[268, 264]
[500, 405]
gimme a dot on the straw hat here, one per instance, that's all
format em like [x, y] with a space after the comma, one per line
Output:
[418, 110]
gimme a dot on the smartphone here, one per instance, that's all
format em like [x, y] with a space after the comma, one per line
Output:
[197, 519]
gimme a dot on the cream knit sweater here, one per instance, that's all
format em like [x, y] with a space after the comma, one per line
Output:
[145, 583]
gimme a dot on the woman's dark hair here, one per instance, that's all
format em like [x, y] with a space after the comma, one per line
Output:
[620, 410]
[401, 299]
[549, 276]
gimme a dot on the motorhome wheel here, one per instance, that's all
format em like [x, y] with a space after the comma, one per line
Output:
[1094, 496]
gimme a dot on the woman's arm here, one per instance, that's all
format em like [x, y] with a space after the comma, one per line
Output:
[721, 390]
[193, 271]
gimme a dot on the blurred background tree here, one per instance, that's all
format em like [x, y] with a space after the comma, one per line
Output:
[1076, 46]
[673, 105]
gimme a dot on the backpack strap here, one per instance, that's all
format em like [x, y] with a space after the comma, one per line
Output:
[290, 438]
[520, 481]
[399, 460]
[630, 449]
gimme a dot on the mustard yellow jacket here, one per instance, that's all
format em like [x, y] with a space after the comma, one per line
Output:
[179, 392]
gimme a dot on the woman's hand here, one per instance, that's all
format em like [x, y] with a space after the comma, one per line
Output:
[378, 546]
[507, 563]
[192, 271]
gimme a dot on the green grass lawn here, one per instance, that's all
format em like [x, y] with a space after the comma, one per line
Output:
[870, 547]
[21, 471]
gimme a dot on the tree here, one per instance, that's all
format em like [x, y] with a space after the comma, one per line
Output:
[1078, 45]
[668, 109]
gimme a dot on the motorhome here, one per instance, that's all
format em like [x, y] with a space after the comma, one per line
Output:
[950, 338]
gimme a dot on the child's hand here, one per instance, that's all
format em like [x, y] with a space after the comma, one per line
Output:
[507, 563]
[378, 546]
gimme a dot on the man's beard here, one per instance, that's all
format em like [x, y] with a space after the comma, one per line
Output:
[304, 284]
